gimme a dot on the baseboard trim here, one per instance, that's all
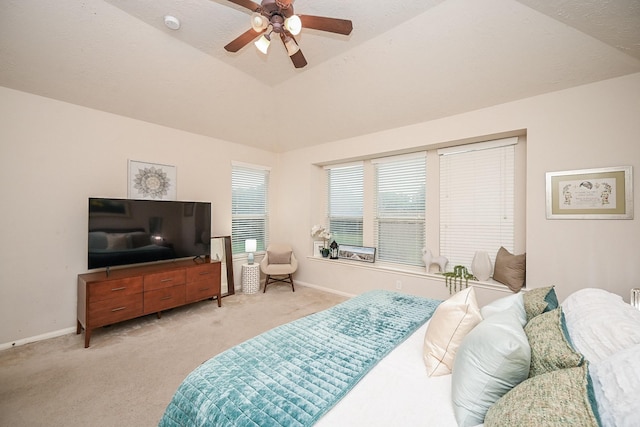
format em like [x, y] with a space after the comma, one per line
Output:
[28, 340]
[322, 288]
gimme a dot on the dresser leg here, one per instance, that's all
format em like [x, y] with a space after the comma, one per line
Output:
[87, 337]
[78, 328]
[219, 300]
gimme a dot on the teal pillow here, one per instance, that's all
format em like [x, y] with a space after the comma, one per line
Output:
[559, 398]
[539, 300]
[551, 348]
[492, 359]
[514, 301]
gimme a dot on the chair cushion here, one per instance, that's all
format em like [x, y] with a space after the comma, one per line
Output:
[279, 256]
[278, 269]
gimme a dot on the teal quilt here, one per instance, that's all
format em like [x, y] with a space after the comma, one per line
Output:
[295, 373]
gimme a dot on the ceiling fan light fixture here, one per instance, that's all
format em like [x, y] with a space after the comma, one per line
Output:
[293, 24]
[263, 43]
[280, 19]
[258, 22]
[291, 45]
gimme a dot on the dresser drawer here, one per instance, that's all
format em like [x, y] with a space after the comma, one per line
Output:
[114, 310]
[203, 272]
[114, 288]
[164, 279]
[202, 289]
[163, 299]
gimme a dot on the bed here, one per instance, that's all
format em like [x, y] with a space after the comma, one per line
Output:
[385, 358]
[109, 247]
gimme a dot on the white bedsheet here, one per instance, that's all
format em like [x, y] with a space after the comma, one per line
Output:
[397, 392]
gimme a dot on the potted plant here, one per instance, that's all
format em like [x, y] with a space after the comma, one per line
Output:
[319, 231]
[453, 279]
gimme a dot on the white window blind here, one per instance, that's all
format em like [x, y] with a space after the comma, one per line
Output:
[477, 200]
[399, 227]
[345, 203]
[249, 206]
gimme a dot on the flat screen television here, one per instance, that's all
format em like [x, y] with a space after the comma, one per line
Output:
[127, 231]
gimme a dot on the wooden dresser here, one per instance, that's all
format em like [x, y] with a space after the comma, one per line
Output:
[128, 293]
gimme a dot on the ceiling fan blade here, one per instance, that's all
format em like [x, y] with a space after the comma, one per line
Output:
[297, 58]
[252, 6]
[242, 40]
[333, 25]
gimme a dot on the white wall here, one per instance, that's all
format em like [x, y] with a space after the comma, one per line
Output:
[53, 156]
[591, 126]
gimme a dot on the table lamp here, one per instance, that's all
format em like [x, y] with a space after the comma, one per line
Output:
[250, 246]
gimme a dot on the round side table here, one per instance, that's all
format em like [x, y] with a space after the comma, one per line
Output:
[250, 278]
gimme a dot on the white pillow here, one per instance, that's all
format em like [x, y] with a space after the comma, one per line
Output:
[116, 241]
[492, 359]
[589, 296]
[501, 304]
[616, 383]
[450, 323]
[600, 323]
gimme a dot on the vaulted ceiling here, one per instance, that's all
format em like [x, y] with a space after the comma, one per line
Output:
[405, 62]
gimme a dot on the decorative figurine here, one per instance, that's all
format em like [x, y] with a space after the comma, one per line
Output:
[429, 259]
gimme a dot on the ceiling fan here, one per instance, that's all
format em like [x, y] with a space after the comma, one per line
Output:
[276, 16]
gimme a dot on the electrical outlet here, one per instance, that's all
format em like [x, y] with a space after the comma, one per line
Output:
[398, 284]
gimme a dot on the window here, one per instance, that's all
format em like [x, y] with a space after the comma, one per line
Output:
[454, 201]
[399, 220]
[477, 199]
[345, 203]
[249, 206]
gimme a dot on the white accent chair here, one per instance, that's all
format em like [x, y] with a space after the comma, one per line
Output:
[278, 264]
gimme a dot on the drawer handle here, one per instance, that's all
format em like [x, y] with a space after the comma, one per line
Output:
[166, 280]
[118, 309]
[166, 298]
[204, 273]
[119, 289]
[204, 289]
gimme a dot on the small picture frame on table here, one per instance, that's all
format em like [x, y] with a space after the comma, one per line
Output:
[317, 247]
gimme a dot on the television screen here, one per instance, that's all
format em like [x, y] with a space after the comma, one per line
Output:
[126, 231]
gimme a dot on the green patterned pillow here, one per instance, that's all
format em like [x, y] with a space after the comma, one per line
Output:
[560, 398]
[551, 347]
[539, 300]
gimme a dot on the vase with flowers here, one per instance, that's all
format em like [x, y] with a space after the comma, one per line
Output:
[319, 231]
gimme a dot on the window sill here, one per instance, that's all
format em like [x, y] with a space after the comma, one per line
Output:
[407, 271]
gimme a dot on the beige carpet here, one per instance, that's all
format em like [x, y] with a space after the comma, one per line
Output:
[131, 370]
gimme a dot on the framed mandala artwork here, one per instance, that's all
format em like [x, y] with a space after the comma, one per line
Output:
[151, 181]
